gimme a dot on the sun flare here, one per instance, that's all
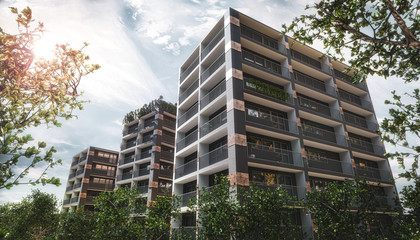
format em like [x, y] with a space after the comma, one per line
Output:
[44, 47]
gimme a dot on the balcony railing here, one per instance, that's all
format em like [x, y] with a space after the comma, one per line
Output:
[74, 163]
[360, 122]
[319, 133]
[74, 200]
[77, 185]
[168, 139]
[130, 131]
[167, 173]
[271, 121]
[213, 67]
[128, 145]
[314, 83]
[80, 172]
[169, 123]
[66, 201]
[186, 197]
[330, 165]
[306, 59]
[265, 63]
[192, 137]
[141, 172]
[146, 139]
[162, 190]
[82, 158]
[213, 94]
[186, 168]
[147, 125]
[366, 146]
[143, 155]
[90, 199]
[69, 188]
[278, 155]
[186, 232]
[349, 79]
[212, 43]
[124, 176]
[355, 100]
[274, 93]
[186, 72]
[167, 155]
[109, 173]
[373, 173]
[188, 114]
[293, 191]
[319, 108]
[72, 175]
[262, 39]
[100, 186]
[213, 124]
[214, 156]
[143, 189]
[187, 92]
[126, 160]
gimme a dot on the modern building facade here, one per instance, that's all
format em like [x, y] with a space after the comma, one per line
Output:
[262, 108]
[147, 153]
[92, 171]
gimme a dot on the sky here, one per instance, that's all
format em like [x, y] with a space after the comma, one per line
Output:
[140, 46]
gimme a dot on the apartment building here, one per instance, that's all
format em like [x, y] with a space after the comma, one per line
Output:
[264, 109]
[147, 152]
[92, 171]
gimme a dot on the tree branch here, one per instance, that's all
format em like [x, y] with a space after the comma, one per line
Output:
[401, 24]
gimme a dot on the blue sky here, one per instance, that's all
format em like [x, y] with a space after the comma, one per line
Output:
[140, 46]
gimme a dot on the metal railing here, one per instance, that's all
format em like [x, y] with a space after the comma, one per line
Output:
[188, 70]
[124, 176]
[314, 83]
[355, 100]
[268, 90]
[82, 158]
[265, 63]
[373, 173]
[187, 140]
[366, 146]
[77, 185]
[293, 191]
[168, 139]
[349, 79]
[319, 133]
[168, 173]
[72, 175]
[141, 172]
[167, 155]
[214, 156]
[186, 168]
[188, 114]
[74, 199]
[328, 164]
[169, 123]
[80, 172]
[74, 163]
[143, 189]
[213, 67]
[278, 155]
[143, 155]
[319, 108]
[306, 59]
[213, 94]
[69, 188]
[271, 121]
[100, 186]
[187, 92]
[360, 122]
[213, 124]
[128, 145]
[130, 131]
[109, 173]
[212, 43]
[262, 39]
[126, 160]
[186, 197]
[66, 201]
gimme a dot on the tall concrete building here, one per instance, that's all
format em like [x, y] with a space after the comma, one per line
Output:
[262, 108]
[92, 171]
[147, 153]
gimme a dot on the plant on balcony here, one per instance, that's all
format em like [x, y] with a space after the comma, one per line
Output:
[267, 89]
[152, 106]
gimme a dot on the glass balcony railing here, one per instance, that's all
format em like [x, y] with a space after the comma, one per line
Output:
[143, 189]
[278, 155]
[319, 133]
[74, 200]
[265, 63]
[187, 92]
[271, 121]
[141, 172]
[186, 168]
[314, 83]
[213, 94]
[126, 160]
[373, 173]
[167, 155]
[214, 156]
[168, 139]
[349, 79]
[124, 176]
[207, 49]
[355, 100]
[186, 141]
[262, 39]
[187, 197]
[130, 131]
[213, 67]
[188, 114]
[330, 165]
[293, 191]
[360, 122]
[143, 155]
[213, 124]
[188, 70]
[359, 144]
[319, 108]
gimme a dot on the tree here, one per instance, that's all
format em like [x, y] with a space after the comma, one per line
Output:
[154, 105]
[34, 92]
[77, 224]
[35, 217]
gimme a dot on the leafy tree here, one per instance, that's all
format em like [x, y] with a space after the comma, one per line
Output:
[34, 92]
[150, 107]
[78, 224]
[36, 217]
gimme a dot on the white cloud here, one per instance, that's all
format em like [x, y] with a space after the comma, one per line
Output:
[162, 40]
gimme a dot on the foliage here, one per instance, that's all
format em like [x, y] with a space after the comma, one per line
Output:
[35, 217]
[267, 89]
[78, 224]
[154, 105]
[34, 92]
[382, 36]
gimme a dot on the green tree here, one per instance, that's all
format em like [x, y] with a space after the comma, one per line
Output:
[35, 217]
[78, 224]
[34, 92]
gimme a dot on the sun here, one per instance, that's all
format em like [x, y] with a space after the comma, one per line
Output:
[44, 47]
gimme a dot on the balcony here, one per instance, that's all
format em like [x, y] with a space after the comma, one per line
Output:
[293, 191]
[330, 165]
[72, 175]
[167, 155]
[185, 232]
[349, 79]
[140, 172]
[143, 155]
[80, 172]
[214, 156]
[69, 188]
[128, 145]
[272, 154]
[168, 139]
[147, 125]
[66, 201]
[265, 63]
[212, 43]
[355, 100]
[373, 173]
[262, 39]
[74, 163]
[74, 200]
[186, 168]
[130, 131]
[359, 144]
[77, 185]
[82, 158]
[90, 200]
[318, 108]
[145, 140]
[322, 134]
[162, 190]
[213, 124]
[166, 173]
[310, 61]
[186, 197]
[186, 72]
[270, 121]
[187, 140]
[266, 90]
[188, 114]
[126, 160]
[360, 122]
[143, 189]
[101, 186]
[314, 83]
[169, 123]
[213, 67]
[187, 92]
[213, 94]
[124, 176]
